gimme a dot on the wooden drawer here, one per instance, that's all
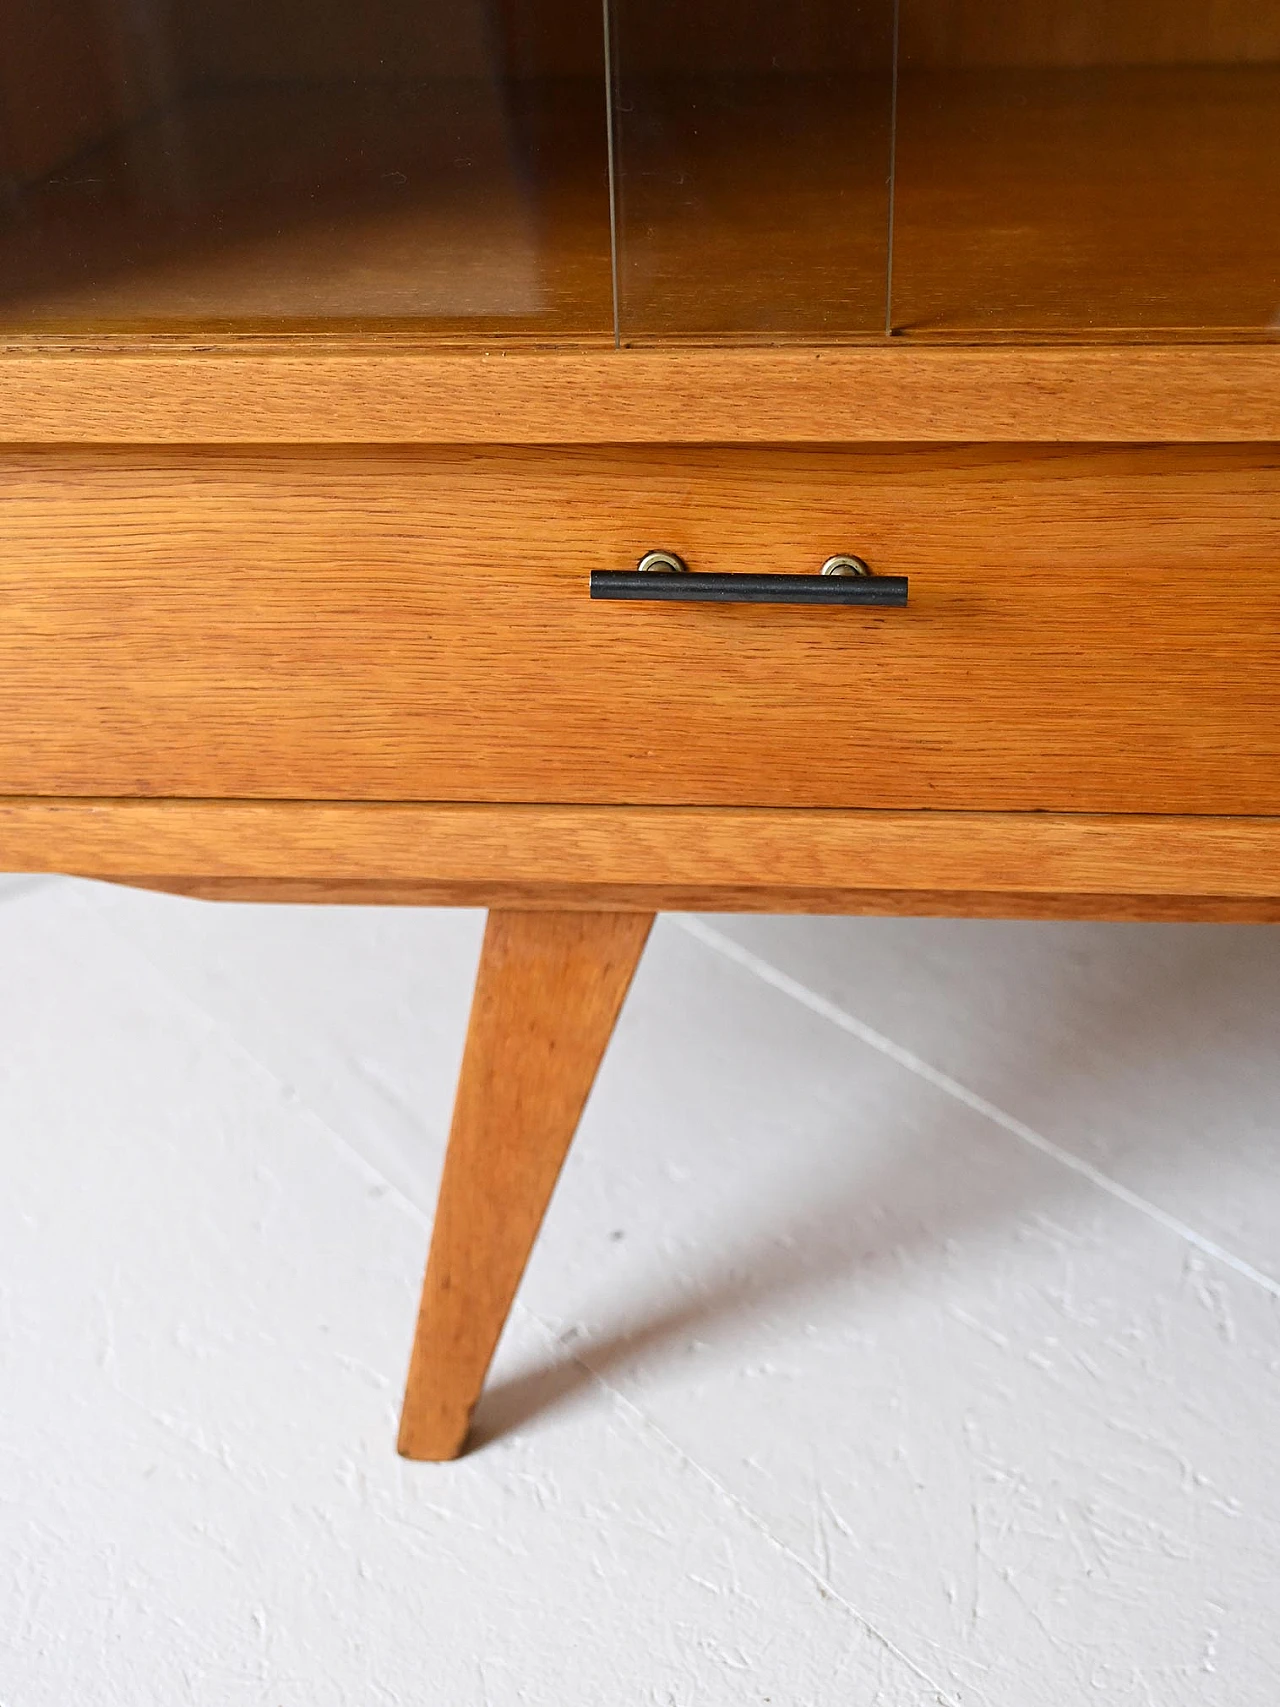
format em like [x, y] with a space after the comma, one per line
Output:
[1094, 630]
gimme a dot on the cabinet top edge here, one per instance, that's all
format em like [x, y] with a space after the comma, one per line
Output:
[341, 392]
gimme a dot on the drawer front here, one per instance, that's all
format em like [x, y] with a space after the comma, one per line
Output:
[1093, 630]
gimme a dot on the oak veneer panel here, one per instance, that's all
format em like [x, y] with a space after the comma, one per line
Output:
[1036, 866]
[1088, 630]
[255, 392]
[725, 856]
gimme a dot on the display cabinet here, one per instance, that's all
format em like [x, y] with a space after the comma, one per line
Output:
[425, 425]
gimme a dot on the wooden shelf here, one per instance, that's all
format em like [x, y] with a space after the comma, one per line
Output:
[1102, 201]
[751, 207]
[440, 206]
[1140, 203]
[1096, 203]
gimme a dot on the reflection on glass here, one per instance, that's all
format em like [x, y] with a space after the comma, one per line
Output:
[1070, 166]
[1063, 167]
[752, 157]
[436, 163]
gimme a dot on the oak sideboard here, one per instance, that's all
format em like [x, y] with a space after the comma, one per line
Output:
[583, 463]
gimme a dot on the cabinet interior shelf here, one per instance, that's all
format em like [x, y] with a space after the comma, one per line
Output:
[1101, 203]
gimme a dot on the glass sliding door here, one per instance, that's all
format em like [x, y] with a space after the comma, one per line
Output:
[1080, 167]
[752, 151]
[437, 165]
[567, 171]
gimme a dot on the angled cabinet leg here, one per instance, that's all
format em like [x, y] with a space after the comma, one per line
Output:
[549, 990]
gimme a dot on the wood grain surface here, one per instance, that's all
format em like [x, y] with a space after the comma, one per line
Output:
[258, 392]
[548, 992]
[746, 858]
[1088, 630]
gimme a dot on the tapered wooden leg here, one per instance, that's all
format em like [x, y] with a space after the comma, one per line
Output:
[549, 990]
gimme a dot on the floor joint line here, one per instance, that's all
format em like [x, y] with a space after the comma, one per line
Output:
[786, 985]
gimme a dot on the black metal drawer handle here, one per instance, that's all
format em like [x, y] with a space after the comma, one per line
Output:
[663, 576]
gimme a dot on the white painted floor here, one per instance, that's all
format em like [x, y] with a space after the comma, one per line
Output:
[906, 1328]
